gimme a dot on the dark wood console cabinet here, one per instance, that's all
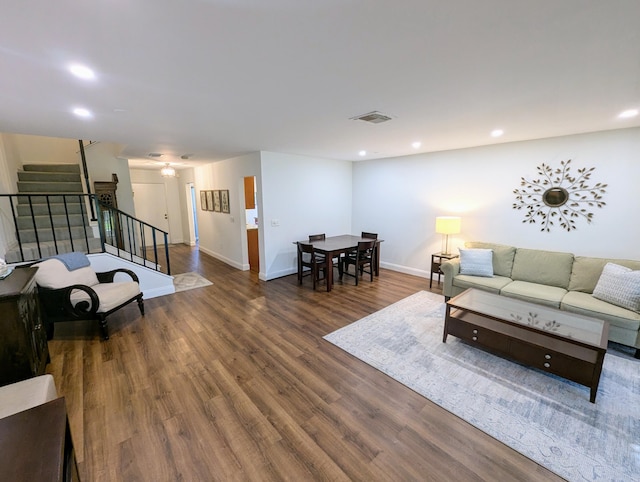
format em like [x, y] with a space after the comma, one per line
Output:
[23, 342]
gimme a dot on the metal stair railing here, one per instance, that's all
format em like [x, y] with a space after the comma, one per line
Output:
[128, 237]
[120, 233]
[44, 225]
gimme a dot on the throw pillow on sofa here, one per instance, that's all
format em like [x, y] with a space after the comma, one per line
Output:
[476, 262]
[619, 286]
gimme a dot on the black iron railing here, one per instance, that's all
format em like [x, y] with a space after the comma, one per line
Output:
[49, 224]
[132, 238]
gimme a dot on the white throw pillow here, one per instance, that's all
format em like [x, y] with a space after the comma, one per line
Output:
[476, 262]
[619, 286]
[52, 273]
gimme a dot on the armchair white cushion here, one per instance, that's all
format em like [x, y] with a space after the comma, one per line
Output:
[83, 294]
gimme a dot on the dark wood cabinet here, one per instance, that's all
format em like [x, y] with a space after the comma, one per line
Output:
[23, 341]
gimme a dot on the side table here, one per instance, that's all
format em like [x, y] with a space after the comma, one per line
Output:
[436, 261]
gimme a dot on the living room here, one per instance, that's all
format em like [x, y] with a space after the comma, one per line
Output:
[235, 381]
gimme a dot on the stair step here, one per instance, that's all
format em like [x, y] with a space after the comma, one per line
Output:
[48, 248]
[45, 234]
[37, 199]
[40, 209]
[52, 167]
[34, 187]
[49, 176]
[26, 222]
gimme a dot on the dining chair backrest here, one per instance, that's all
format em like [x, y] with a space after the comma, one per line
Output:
[317, 237]
[365, 248]
[369, 235]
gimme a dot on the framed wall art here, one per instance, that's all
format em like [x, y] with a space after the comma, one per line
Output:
[203, 201]
[216, 201]
[209, 201]
[224, 201]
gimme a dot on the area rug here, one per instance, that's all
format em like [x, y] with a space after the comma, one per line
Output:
[544, 417]
[189, 281]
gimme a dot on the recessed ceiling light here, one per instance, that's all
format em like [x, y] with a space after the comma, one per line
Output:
[362, 153]
[82, 112]
[627, 114]
[82, 72]
[497, 132]
[416, 145]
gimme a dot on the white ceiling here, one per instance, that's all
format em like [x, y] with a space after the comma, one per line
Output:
[214, 79]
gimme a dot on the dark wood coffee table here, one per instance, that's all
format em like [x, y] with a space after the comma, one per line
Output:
[565, 344]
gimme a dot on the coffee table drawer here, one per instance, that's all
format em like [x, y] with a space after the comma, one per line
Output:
[551, 361]
[478, 335]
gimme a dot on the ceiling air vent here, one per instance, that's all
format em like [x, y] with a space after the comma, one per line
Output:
[374, 117]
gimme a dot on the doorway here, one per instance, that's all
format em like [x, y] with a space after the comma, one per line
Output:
[251, 215]
[150, 202]
[192, 213]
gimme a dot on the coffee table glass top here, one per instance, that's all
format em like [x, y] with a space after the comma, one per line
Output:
[544, 318]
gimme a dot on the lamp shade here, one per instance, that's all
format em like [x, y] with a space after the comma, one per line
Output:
[448, 224]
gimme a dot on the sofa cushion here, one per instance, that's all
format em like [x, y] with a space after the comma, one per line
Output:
[542, 267]
[535, 293]
[53, 274]
[494, 285]
[586, 271]
[111, 295]
[586, 304]
[620, 286]
[502, 256]
[476, 262]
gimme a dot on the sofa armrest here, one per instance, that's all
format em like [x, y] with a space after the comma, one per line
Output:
[450, 269]
[107, 276]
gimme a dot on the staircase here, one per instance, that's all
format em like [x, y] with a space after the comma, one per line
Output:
[51, 223]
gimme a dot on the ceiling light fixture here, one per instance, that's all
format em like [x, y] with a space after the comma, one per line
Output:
[82, 112]
[416, 145]
[628, 114]
[168, 171]
[82, 72]
[497, 132]
[362, 153]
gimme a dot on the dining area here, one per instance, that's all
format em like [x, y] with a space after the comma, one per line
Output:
[320, 255]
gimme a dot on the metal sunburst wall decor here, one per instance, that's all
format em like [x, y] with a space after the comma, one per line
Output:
[559, 196]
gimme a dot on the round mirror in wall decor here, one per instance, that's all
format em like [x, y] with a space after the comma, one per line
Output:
[558, 197]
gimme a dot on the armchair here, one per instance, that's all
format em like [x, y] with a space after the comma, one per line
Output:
[83, 294]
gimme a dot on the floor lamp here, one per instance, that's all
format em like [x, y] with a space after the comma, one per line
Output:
[447, 225]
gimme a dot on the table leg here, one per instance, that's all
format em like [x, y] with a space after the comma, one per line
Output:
[329, 268]
[377, 258]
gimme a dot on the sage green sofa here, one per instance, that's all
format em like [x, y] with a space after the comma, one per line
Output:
[556, 279]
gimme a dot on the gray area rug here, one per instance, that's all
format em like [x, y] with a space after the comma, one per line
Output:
[544, 417]
[189, 281]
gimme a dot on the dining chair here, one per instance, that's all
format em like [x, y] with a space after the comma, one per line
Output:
[317, 237]
[375, 247]
[307, 258]
[361, 257]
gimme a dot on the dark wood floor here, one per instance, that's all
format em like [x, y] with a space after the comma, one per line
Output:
[234, 382]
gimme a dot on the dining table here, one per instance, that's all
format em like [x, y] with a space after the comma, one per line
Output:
[333, 246]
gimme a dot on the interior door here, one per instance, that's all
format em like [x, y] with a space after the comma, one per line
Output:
[150, 202]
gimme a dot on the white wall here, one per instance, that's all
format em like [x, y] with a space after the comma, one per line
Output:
[400, 197]
[304, 196]
[223, 236]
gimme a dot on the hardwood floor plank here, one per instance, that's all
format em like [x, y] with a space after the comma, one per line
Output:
[233, 381]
